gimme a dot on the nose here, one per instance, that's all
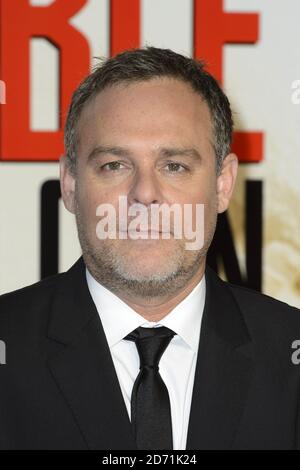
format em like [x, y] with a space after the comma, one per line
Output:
[145, 189]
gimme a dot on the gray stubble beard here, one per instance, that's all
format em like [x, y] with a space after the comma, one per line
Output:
[107, 267]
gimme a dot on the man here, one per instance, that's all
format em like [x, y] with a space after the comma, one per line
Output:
[140, 345]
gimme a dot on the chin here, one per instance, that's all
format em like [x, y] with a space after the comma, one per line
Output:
[140, 267]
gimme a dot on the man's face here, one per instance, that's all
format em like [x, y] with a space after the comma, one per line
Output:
[155, 146]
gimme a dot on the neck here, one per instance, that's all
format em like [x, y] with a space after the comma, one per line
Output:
[155, 308]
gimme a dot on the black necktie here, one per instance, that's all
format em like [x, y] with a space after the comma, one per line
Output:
[150, 404]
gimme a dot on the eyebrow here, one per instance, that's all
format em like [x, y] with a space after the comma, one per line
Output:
[166, 152]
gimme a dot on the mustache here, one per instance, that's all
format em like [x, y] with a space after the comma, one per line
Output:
[143, 230]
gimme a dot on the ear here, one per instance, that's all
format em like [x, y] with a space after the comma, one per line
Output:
[226, 181]
[67, 185]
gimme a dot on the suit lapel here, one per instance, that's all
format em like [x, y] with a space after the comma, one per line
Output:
[223, 370]
[84, 369]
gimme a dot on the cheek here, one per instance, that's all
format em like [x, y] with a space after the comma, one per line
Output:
[89, 195]
[209, 206]
[86, 206]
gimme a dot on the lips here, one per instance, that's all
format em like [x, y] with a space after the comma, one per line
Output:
[146, 231]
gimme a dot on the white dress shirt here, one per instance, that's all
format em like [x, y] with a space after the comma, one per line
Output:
[178, 362]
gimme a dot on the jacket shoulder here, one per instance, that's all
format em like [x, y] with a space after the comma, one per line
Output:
[28, 298]
[268, 319]
[31, 289]
[259, 299]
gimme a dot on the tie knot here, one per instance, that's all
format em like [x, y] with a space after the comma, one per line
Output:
[151, 343]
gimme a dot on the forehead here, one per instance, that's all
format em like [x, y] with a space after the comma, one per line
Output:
[154, 107]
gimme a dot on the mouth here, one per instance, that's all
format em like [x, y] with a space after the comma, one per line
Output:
[145, 234]
[145, 231]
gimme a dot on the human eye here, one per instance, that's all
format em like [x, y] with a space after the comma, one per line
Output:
[175, 167]
[111, 166]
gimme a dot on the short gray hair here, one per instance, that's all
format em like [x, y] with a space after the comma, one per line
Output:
[135, 65]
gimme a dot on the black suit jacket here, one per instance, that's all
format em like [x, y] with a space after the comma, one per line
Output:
[59, 388]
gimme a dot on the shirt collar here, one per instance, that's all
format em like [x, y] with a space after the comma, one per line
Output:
[119, 319]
